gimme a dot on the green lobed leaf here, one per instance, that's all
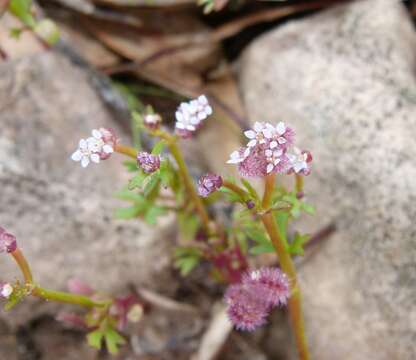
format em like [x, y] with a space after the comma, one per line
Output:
[137, 181]
[262, 249]
[152, 214]
[22, 10]
[113, 340]
[94, 338]
[296, 246]
[187, 264]
[128, 213]
[152, 186]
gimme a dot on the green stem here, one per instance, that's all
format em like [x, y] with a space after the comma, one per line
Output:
[235, 188]
[68, 298]
[126, 150]
[23, 265]
[186, 177]
[287, 266]
[52, 295]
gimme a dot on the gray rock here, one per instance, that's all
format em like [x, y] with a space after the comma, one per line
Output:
[62, 214]
[345, 79]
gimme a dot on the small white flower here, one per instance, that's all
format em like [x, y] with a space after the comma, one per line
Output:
[298, 160]
[235, 158]
[190, 114]
[97, 144]
[6, 290]
[257, 135]
[273, 158]
[83, 153]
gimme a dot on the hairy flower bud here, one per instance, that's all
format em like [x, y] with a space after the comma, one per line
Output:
[7, 241]
[147, 162]
[209, 183]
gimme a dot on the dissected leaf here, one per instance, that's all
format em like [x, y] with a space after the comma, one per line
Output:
[113, 340]
[94, 338]
[22, 10]
[296, 246]
[137, 181]
[127, 213]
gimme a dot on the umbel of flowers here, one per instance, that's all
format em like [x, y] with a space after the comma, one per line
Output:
[162, 182]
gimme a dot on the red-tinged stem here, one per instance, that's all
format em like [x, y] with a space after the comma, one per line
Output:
[23, 265]
[287, 266]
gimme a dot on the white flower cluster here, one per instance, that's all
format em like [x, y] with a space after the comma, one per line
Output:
[94, 148]
[190, 115]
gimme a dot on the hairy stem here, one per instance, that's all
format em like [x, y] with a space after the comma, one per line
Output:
[287, 266]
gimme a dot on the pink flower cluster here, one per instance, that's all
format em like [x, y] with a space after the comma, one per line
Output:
[270, 150]
[250, 301]
[7, 241]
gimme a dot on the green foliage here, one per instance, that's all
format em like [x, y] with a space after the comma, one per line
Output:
[131, 165]
[297, 244]
[22, 10]
[298, 205]
[208, 5]
[20, 291]
[107, 334]
[186, 259]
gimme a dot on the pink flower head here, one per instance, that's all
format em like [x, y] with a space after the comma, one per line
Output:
[152, 121]
[266, 151]
[7, 241]
[190, 115]
[272, 282]
[209, 183]
[6, 289]
[147, 162]
[299, 161]
[245, 310]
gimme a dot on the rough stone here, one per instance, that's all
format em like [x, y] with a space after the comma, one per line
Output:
[61, 214]
[345, 79]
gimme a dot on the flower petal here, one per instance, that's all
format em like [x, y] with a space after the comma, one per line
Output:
[77, 155]
[250, 134]
[85, 161]
[97, 134]
[108, 149]
[281, 128]
[95, 158]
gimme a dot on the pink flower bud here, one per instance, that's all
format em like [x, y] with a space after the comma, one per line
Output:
[209, 183]
[148, 162]
[7, 241]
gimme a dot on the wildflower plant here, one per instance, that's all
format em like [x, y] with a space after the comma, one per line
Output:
[161, 182]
